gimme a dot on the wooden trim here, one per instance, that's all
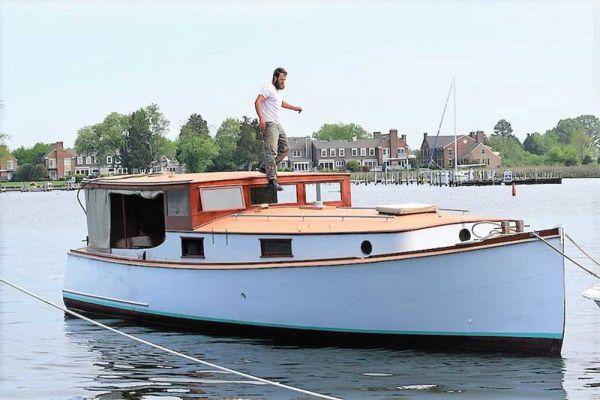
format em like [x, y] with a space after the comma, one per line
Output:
[458, 248]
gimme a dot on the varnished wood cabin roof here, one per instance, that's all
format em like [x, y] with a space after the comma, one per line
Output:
[309, 220]
[172, 179]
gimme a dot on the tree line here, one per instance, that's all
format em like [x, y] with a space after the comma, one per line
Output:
[573, 141]
[139, 140]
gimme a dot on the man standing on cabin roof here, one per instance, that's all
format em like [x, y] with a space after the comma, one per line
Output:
[268, 105]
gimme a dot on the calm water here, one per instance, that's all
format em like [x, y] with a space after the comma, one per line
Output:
[45, 356]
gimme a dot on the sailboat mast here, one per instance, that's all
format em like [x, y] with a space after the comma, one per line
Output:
[455, 138]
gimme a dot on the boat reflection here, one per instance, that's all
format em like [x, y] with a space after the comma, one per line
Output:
[128, 370]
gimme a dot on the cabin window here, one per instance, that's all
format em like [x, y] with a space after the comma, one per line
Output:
[192, 247]
[263, 194]
[177, 203]
[276, 247]
[329, 191]
[223, 198]
[136, 222]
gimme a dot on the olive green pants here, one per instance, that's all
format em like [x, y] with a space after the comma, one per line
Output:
[276, 148]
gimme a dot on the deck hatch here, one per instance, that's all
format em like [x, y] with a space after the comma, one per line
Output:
[276, 247]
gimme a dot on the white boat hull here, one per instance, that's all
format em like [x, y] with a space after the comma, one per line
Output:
[510, 293]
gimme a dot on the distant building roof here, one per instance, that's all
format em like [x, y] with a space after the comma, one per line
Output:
[440, 142]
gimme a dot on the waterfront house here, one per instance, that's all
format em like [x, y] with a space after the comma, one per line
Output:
[8, 164]
[471, 150]
[300, 156]
[59, 161]
[385, 149]
[168, 165]
[87, 165]
[392, 151]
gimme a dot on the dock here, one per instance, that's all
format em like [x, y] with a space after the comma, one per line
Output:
[447, 178]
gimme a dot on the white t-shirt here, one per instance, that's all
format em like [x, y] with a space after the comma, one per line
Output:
[271, 106]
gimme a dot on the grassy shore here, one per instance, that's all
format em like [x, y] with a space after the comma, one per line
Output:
[577, 171]
[37, 183]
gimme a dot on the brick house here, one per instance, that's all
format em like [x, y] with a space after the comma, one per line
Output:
[59, 161]
[392, 151]
[471, 150]
[8, 166]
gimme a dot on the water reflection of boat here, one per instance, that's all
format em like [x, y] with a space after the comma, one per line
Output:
[222, 250]
[125, 371]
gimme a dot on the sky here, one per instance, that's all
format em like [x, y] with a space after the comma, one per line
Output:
[383, 65]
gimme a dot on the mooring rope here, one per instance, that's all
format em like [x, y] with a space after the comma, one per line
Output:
[156, 346]
[582, 250]
[566, 256]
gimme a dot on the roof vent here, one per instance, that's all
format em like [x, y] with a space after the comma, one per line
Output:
[407, 208]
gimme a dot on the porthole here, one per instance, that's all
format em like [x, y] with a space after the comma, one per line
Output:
[464, 235]
[366, 247]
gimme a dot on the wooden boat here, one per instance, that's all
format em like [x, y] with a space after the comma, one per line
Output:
[222, 251]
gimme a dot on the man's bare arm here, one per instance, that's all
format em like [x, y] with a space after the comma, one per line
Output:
[291, 107]
[258, 107]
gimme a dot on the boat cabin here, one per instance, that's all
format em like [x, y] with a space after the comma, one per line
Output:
[134, 212]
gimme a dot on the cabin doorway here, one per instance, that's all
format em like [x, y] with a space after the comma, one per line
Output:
[136, 222]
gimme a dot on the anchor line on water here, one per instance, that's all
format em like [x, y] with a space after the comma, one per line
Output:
[582, 250]
[566, 256]
[165, 349]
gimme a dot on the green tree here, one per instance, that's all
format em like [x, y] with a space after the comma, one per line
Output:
[3, 138]
[591, 126]
[103, 139]
[30, 172]
[353, 166]
[510, 148]
[582, 143]
[137, 147]
[143, 138]
[534, 143]
[555, 155]
[571, 155]
[195, 147]
[32, 155]
[503, 128]
[564, 131]
[341, 131]
[166, 147]
[226, 139]
[197, 152]
[249, 149]
[195, 125]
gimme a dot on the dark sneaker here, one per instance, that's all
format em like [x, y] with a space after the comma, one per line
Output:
[274, 185]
